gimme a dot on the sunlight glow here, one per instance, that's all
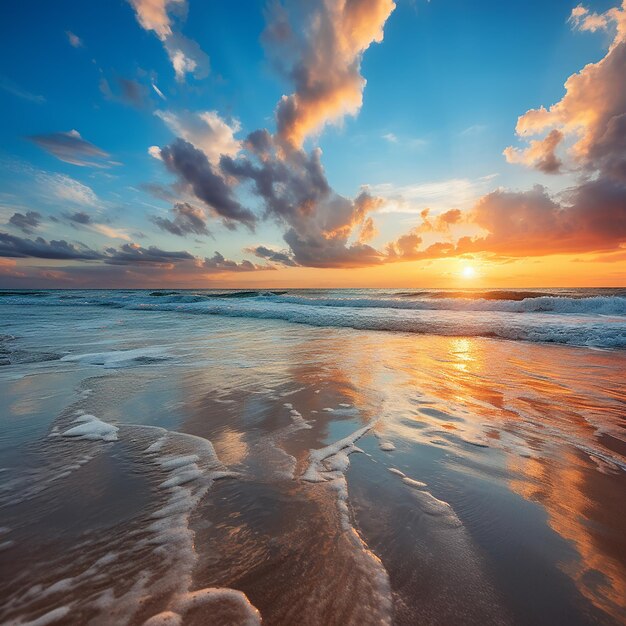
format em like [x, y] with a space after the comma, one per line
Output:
[468, 272]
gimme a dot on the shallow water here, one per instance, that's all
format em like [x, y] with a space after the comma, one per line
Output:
[238, 467]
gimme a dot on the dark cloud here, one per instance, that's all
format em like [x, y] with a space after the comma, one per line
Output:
[26, 222]
[126, 91]
[217, 263]
[132, 92]
[188, 219]
[275, 256]
[194, 168]
[70, 147]
[161, 192]
[293, 187]
[134, 254]
[18, 247]
[79, 217]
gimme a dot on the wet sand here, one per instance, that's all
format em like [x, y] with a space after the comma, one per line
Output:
[310, 476]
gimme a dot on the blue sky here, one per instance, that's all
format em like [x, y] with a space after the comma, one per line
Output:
[444, 90]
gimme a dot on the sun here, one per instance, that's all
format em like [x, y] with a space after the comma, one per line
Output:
[468, 272]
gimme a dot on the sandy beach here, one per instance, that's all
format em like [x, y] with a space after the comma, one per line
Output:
[167, 468]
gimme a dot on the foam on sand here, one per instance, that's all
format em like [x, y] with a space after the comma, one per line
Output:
[93, 429]
[119, 358]
[326, 463]
[427, 502]
[297, 419]
[327, 467]
[228, 604]
[51, 617]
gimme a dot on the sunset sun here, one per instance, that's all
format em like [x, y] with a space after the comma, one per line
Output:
[468, 272]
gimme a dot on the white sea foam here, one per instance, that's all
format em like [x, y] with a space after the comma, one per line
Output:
[56, 616]
[93, 429]
[298, 420]
[427, 502]
[119, 358]
[327, 463]
[248, 615]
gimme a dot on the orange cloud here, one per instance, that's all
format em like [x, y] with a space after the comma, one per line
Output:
[591, 114]
[185, 54]
[326, 74]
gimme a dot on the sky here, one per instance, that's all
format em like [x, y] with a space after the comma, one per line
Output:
[312, 143]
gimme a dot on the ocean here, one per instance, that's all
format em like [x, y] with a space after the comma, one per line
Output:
[339, 456]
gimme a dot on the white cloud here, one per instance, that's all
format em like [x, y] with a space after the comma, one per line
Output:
[437, 195]
[75, 40]
[206, 130]
[185, 54]
[155, 152]
[68, 189]
[108, 231]
[158, 92]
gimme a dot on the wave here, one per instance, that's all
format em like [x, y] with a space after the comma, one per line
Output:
[597, 321]
[540, 328]
[594, 305]
[504, 294]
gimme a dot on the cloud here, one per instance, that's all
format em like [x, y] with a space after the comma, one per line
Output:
[125, 90]
[132, 92]
[367, 231]
[14, 89]
[412, 144]
[134, 254]
[276, 256]
[217, 263]
[293, 187]
[185, 54]
[70, 147]
[186, 57]
[26, 222]
[326, 56]
[590, 217]
[158, 91]
[188, 219]
[473, 130]
[206, 130]
[79, 217]
[591, 116]
[195, 170]
[109, 231]
[405, 247]
[150, 263]
[68, 189]
[74, 40]
[82, 220]
[540, 154]
[18, 247]
[322, 227]
[588, 127]
[438, 195]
